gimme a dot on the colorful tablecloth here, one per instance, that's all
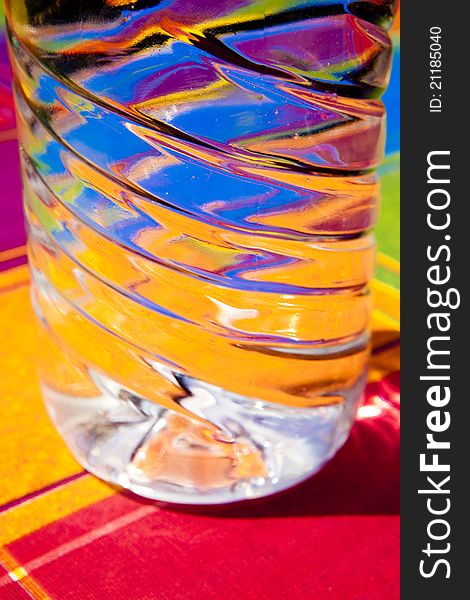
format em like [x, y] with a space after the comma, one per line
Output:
[65, 534]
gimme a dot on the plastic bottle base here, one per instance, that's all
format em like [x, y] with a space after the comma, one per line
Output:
[235, 448]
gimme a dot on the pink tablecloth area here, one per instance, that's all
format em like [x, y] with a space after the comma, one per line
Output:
[12, 234]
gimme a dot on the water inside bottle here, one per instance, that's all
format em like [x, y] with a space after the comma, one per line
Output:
[200, 189]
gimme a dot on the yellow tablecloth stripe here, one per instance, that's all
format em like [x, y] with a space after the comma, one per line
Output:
[12, 253]
[33, 454]
[386, 300]
[51, 506]
[19, 574]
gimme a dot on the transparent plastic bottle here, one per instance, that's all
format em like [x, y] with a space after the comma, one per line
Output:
[200, 188]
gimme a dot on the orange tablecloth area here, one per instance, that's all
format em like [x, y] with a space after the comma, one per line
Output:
[65, 534]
